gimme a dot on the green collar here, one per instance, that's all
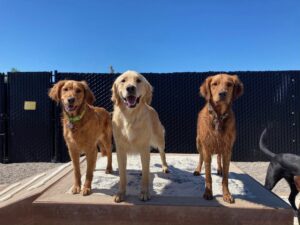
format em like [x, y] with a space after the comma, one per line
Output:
[74, 119]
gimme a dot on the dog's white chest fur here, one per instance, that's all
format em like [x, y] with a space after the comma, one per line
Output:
[128, 131]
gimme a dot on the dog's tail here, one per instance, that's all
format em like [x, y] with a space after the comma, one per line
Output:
[262, 145]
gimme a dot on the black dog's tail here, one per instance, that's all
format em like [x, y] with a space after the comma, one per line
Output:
[262, 145]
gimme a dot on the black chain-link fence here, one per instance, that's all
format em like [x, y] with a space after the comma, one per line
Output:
[270, 99]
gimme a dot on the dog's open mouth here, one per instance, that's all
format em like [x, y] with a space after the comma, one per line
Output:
[131, 101]
[70, 108]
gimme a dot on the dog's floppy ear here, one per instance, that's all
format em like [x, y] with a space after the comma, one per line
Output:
[205, 89]
[54, 92]
[147, 98]
[115, 96]
[238, 87]
[88, 94]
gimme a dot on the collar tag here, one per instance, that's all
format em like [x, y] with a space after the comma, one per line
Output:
[70, 125]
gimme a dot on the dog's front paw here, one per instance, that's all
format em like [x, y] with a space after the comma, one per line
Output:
[119, 197]
[228, 198]
[196, 173]
[145, 196]
[86, 191]
[220, 172]
[108, 170]
[76, 189]
[208, 194]
[165, 169]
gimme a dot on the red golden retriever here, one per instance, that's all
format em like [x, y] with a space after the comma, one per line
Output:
[216, 131]
[84, 128]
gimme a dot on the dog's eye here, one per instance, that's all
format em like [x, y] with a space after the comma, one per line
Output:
[65, 89]
[78, 91]
[214, 84]
[123, 81]
[229, 84]
[138, 80]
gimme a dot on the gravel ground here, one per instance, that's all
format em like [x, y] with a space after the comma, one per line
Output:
[258, 171]
[13, 172]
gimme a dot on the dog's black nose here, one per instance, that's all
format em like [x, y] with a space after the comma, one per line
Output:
[71, 100]
[223, 94]
[131, 89]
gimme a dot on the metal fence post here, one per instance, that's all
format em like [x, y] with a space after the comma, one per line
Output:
[55, 155]
[4, 118]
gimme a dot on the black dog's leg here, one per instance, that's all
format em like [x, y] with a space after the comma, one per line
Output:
[274, 174]
[293, 193]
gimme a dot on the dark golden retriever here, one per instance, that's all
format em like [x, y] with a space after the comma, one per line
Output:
[216, 130]
[84, 127]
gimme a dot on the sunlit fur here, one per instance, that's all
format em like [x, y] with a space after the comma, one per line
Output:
[94, 129]
[136, 129]
[211, 140]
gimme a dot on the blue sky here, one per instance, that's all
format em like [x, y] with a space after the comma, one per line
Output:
[149, 35]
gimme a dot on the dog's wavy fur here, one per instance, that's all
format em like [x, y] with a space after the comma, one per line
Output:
[214, 134]
[135, 129]
[92, 130]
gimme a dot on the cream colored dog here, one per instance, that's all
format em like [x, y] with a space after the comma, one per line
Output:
[136, 128]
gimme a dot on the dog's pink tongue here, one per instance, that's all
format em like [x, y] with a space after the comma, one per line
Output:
[131, 100]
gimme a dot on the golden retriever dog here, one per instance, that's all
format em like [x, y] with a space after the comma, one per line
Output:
[136, 128]
[84, 128]
[216, 131]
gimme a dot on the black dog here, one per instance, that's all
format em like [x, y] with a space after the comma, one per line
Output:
[283, 165]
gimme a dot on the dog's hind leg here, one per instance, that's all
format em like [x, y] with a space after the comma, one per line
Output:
[158, 141]
[274, 174]
[163, 160]
[161, 149]
[197, 171]
[219, 169]
[109, 168]
[293, 193]
[106, 147]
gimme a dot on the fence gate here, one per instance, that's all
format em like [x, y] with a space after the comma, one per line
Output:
[30, 117]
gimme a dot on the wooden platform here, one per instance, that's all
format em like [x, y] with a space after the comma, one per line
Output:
[52, 204]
